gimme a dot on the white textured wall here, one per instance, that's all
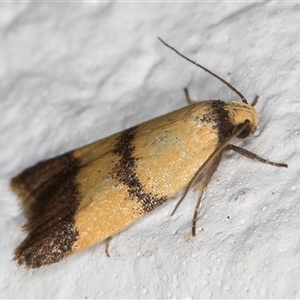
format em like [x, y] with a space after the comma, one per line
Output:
[73, 73]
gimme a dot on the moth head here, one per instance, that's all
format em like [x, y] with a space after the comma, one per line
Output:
[241, 113]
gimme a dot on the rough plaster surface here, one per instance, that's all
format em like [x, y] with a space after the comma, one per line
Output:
[71, 73]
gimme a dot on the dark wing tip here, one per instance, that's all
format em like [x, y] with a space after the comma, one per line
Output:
[47, 245]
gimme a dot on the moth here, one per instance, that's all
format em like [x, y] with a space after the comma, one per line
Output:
[88, 195]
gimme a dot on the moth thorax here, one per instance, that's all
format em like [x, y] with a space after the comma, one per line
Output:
[240, 112]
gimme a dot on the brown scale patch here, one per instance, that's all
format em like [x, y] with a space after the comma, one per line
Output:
[219, 119]
[50, 196]
[125, 172]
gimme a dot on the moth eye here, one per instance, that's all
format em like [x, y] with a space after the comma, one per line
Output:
[246, 132]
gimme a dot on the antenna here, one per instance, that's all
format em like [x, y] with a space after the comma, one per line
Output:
[208, 71]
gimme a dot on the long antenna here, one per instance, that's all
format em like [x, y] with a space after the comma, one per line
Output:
[208, 71]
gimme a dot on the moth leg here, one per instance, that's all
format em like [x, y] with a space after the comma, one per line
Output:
[255, 100]
[108, 240]
[202, 186]
[253, 156]
[187, 97]
[204, 169]
[180, 200]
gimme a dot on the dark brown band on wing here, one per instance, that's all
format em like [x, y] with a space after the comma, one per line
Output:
[219, 119]
[125, 172]
[54, 199]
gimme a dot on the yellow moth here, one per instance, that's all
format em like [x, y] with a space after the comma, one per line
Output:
[87, 195]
